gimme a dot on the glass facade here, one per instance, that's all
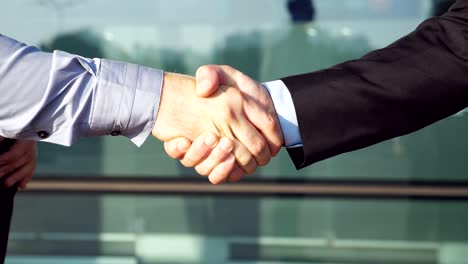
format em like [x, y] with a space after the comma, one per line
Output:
[259, 38]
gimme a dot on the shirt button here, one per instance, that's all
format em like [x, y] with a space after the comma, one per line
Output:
[116, 133]
[43, 134]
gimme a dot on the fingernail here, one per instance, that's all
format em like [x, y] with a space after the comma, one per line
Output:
[205, 87]
[226, 145]
[203, 84]
[210, 140]
[200, 71]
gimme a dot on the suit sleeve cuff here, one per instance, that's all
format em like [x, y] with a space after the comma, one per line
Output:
[284, 106]
[127, 100]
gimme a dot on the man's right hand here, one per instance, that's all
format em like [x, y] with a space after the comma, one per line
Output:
[183, 114]
[258, 108]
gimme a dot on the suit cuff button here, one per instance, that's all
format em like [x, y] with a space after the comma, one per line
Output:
[116, 133]
[43, 134]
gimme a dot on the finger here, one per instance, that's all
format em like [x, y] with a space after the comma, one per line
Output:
[15, 164]
[221, 172]
[268, 125]
[24, 183]
[219, 154]
[177, 147]
[32, 167]
[244, 158]
[236, 174]
[26, 179]
[270, 128]
[226, 75]
[210, 77]
[200, 149]
[253, 141]
[16, 151]
[208, 80]
[21, 173]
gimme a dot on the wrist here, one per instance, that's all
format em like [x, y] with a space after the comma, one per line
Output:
[173, 96]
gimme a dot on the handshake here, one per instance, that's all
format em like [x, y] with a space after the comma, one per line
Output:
[223, 123]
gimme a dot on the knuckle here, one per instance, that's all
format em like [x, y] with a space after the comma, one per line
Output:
[227, 114]
[249, 166]
[258, 147]
[244, 160]
[238, 75]
[270, 124]
[233, 94]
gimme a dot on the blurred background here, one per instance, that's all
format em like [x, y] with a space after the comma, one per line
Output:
[116, 205]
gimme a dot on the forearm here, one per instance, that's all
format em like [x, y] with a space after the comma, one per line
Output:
[60, 97]
[414, 82]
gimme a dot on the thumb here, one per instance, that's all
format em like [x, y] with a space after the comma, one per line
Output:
[208, 80]
[176, 148]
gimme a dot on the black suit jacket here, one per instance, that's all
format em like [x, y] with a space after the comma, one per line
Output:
[6, 204]
[406, 86]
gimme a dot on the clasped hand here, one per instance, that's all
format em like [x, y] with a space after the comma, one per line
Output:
[223, 123]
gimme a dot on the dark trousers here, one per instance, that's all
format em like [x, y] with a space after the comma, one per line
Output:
[6, 206]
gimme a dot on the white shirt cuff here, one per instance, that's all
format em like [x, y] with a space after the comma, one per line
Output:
[284, 106]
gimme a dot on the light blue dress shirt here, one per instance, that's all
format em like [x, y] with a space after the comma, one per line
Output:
[59, 97]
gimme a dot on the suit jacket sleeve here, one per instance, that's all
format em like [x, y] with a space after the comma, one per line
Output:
[414, 82]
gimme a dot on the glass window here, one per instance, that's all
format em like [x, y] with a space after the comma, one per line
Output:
[225, 229]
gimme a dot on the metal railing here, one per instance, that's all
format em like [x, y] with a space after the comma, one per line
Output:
[192, 186]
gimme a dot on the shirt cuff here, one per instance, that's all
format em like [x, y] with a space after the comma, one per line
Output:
[284, 106]
[127, 100]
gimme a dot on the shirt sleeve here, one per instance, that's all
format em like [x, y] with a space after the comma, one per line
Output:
[284, 107]
[59, 97]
